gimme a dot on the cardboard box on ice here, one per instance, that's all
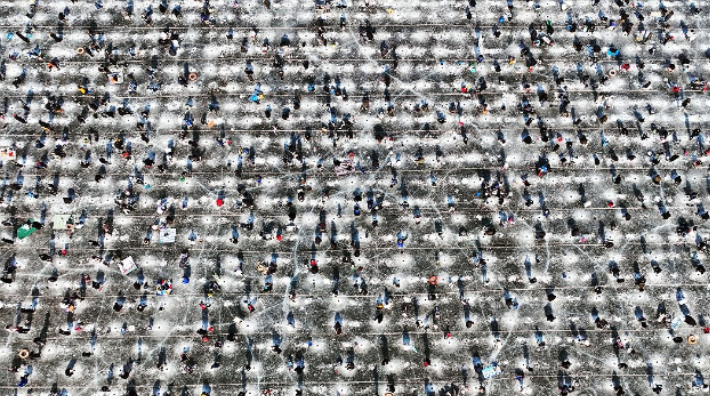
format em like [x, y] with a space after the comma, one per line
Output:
[346, 167]
[127, 265]
[60, 222]
[167, 235]
[7, 154]
[491, 371]
[115, 78]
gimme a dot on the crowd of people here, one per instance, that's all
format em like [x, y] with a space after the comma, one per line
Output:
[342, 183]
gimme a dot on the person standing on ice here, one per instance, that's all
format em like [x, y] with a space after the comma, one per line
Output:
[235, 234]
[401, 237]
[539, 338]
[257, 95]
[519, 377]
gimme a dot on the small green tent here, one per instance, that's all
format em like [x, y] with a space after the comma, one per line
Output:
[26, 230]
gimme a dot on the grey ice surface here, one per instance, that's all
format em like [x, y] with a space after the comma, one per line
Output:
[532, 185]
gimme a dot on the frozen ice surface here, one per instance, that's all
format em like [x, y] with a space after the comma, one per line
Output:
[499, 195]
